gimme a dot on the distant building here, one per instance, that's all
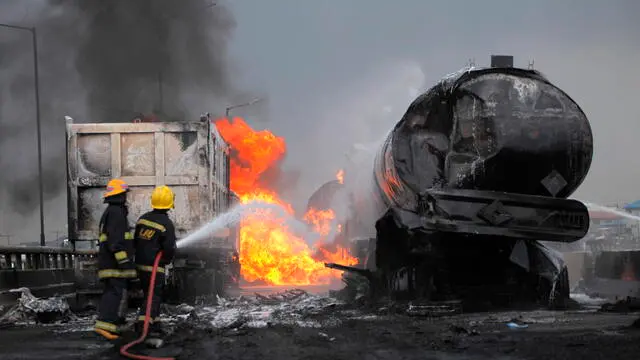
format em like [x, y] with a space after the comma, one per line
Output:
[633, 207]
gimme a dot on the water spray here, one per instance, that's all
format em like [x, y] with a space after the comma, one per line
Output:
[611, 210]
[235, 215]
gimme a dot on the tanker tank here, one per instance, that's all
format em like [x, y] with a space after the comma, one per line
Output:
[496, 129]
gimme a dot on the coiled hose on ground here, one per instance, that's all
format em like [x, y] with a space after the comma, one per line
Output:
[124, 350]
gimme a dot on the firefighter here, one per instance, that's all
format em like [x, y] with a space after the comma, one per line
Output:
[154, 232]
[115, 260]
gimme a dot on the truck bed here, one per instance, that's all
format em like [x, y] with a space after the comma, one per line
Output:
[191, 158]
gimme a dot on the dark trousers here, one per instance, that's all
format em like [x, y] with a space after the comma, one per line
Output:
[158, 293]
[113, 304]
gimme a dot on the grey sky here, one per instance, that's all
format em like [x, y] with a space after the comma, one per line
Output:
[342, 71]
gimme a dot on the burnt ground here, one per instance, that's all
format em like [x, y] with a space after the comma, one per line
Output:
[581, 335]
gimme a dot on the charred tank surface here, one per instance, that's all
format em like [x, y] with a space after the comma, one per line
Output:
[495, 129]
[467, 184]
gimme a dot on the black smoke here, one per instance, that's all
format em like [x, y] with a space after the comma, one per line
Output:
[146, 55]
[102, 61]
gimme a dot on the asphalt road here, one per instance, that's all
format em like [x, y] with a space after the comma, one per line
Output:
[549, 335]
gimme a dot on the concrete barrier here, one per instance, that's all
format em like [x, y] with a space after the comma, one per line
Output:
[46, 271]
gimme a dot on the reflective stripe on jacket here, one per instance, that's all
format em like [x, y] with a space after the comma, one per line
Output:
[149, 268]
[117, 273]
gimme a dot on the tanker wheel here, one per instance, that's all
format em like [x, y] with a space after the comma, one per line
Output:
[559, 299]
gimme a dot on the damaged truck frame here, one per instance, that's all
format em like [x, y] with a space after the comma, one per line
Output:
[191, 158]
[465, 189]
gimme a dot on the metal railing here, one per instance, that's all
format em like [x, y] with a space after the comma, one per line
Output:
[54, 271]
[41, 257]
[46, 271]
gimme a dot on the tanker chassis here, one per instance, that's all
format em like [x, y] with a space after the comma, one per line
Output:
[466, 188]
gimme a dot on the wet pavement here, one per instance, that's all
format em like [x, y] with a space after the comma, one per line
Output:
[296, 325]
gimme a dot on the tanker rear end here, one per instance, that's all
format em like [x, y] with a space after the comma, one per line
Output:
[468, 183]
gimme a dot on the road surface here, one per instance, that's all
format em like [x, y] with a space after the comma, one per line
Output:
[584, 335]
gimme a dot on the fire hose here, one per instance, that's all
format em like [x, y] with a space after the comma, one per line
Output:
[124, 350]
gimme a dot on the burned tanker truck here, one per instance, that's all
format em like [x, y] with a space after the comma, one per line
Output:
[467, 186]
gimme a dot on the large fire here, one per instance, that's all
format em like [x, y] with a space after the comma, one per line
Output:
[269, 251]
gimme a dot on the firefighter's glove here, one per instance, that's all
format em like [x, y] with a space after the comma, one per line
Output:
[124, 262]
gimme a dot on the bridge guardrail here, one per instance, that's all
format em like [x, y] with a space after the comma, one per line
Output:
[50, 271]
[46, 271]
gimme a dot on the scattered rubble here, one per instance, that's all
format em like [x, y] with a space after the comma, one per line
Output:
[479, 336]
[629, 304]
[292, 307]
[326, 336]
[435, 309]
[31, 309]
[356, 290]
[587, 301]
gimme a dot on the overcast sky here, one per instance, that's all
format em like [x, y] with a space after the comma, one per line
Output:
[337, 72]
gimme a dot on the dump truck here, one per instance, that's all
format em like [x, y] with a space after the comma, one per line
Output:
[190, 157]
[460, 195]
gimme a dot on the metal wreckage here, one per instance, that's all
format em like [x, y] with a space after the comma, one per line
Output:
[465, 189]
[453, 205]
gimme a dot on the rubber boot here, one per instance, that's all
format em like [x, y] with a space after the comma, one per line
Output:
[107, 334]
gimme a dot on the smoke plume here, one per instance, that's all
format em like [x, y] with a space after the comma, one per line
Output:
[102, 61]
[138, 56]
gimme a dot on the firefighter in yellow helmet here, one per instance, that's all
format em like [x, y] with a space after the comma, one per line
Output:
[115, 260]
[154, 232]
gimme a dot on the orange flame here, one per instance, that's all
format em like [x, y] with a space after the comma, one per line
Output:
[340, 176]
[321, 220]
[269, 251]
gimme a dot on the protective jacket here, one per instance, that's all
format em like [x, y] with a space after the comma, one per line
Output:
[116, 250]
[154, 232]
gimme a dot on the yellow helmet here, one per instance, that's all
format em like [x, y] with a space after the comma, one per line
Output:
[115, 187]
[162, 198]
